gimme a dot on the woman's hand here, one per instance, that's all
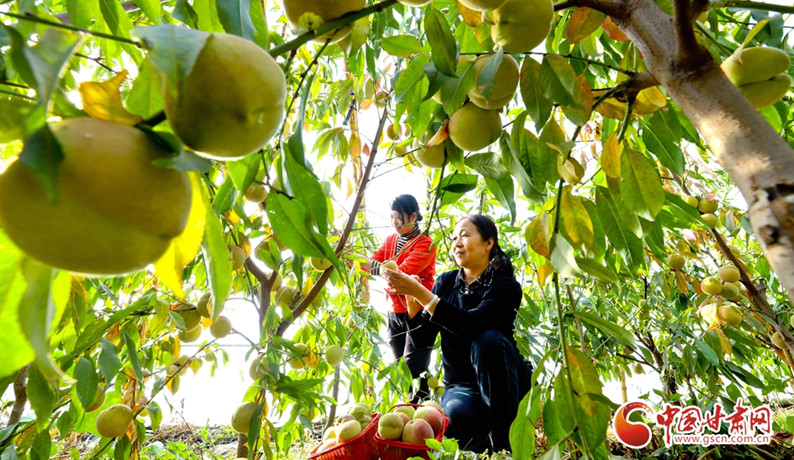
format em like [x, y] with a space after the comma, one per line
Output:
[402, 283]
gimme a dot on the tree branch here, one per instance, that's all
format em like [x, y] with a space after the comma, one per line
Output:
[330, 27]
[689, 53]
[753, 5]
[306, 301]
[33, 18]
[757, 299]
[612, 9]
[128, 6]
[20, 396]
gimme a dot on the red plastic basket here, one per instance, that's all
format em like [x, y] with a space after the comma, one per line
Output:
[398, 450]
[362, 447]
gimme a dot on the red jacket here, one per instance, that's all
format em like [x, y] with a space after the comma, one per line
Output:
[418, 259]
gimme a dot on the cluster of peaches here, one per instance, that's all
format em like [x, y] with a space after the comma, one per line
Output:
[411, 424]
[347, 427]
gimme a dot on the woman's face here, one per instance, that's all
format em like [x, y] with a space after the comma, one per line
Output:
[468, 248]
[403, 223]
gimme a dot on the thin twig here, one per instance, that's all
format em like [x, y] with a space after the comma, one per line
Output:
[330, 26]
[306, 301]
[33, 18]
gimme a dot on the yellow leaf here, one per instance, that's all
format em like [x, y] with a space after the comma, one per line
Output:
[610, 156]
[102, 99]
[537, 235]
[680, 282]
[349, 188]
[576, 219]
[543, 272]
[472, 18]
[649, 100]
[355, 145]
[725, 343]
[440, 136]
[184, 247]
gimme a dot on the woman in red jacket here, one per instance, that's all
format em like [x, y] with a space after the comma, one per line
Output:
[414, 254]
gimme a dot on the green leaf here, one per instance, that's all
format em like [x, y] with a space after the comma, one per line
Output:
[488, 165]
[41, 395]
[145, 98]
[454, 90]
[13, 113]
[224, 196]
[293, 224]
[444, 49]
[109, 363]
[678, 213]
[504, 191]
[18, 56]
[258, 18]
[116, 18]
[42, 303]
[557, 78]
[173, 51]
[486, 76]
[235, 17]
[746, 376]
[512, 163]
[152, 9]
[544, 157]
[48, 60]
[616, 225]
[607, 327]
[82, 13]
[641, 186]
[552, 423]
[401, 45]
[708, 352]
[620, 227]
[308, 191]
[42, 152]
[571, 396]
[41, 449]
[562, 258]
[522, 432]
[580, 112]
[576, 219]
[409, 79]
[452, 187]
[243, 171]
[217, 260]
[185, 12]
[121, 450]
[132, 352]
[14, 347]
[87, 381]
[662, 136]
[552, 454]
[595, 269]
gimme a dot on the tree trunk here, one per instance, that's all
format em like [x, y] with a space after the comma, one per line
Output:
[756, 158]
[20, 396]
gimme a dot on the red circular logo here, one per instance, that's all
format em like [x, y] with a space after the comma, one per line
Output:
[633, 434]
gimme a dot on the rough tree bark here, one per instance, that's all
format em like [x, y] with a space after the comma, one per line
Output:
[756, 158]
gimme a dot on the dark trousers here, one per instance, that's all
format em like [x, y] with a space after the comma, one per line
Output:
[417, 359]
[489, 405]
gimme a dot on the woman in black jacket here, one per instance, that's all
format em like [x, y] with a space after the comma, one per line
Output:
[474, 309]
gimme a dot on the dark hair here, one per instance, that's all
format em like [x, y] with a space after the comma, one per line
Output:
[500, 262]
[406, 205]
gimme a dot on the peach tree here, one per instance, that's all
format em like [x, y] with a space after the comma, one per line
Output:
[164, 157]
